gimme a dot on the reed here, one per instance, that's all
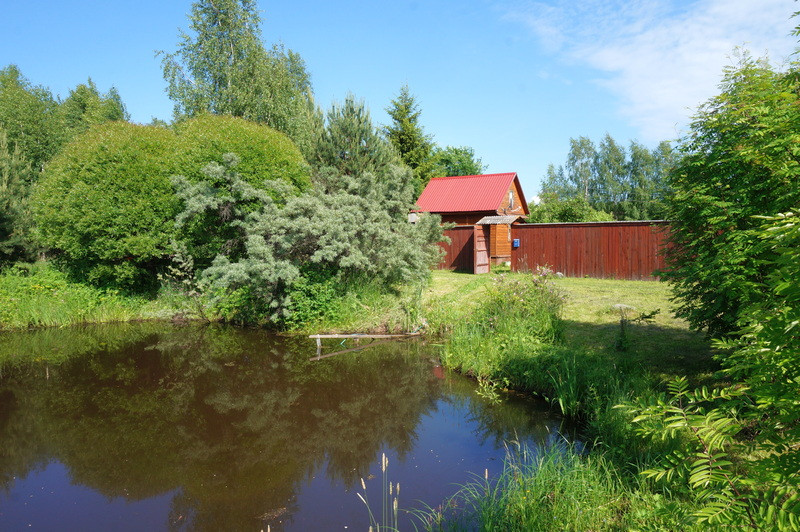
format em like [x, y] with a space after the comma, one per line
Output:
[390, 494]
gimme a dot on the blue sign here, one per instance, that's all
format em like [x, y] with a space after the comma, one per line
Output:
[515, 243]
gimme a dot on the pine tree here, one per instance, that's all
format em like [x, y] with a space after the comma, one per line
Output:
[350, 144]
[15, 179]
[408, 137]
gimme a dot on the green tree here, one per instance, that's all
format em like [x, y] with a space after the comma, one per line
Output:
[28, 114]
[740, 160]
[311, 238]
[611, 186]
[16, 175]
[580, 166]
[408, 137]
[630, 184]
[555, 182]
[224, 68]
[106, 208]
[351, 144]
[455, 161]
[85, 107]
[575, 209]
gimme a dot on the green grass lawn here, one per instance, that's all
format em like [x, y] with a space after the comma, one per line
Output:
[666, 347]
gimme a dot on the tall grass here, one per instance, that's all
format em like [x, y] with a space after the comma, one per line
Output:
[556, 488]
[518, 314]
[389, 502]
[38, 295]
[552, 488]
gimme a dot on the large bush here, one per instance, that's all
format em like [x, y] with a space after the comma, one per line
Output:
[741, 161]
[106, 206]
[329, 239]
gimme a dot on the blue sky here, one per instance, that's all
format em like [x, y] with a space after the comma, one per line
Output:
[514, 79]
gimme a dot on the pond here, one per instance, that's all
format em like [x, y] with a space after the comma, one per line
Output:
[156, 426]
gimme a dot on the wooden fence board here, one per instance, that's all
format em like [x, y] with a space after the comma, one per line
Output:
[620, 250]
[459, 253]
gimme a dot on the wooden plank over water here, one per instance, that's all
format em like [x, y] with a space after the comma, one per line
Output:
[357, 336]
[364, 335]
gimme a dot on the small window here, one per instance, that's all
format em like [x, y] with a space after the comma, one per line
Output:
[510, 199]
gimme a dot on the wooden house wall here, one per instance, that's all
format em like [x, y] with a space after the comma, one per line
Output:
[621, 250]
[500, 242]
[518, 208]
[464, 218]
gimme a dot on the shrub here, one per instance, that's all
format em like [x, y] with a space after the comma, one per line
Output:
[105, 205]
[741, 162]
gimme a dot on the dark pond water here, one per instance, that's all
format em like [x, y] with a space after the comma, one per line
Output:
[164, 427]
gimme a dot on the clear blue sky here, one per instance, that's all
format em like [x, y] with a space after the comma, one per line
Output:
[513, 79]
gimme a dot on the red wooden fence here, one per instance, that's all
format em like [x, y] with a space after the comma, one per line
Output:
[621, 250]
[459, 253]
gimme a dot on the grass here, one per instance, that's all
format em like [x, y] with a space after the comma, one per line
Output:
[555, 489]
[40, 296]
[572, 356]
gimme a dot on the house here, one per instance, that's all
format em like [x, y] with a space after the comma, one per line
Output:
[492, 200]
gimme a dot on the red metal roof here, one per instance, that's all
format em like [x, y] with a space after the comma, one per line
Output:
[469, 193]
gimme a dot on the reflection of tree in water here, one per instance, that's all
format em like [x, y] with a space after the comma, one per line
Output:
[234, 420]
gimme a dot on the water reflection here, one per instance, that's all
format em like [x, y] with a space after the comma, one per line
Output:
[235, 424]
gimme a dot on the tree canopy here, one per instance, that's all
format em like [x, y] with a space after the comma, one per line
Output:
[454, 161]
[739, 161]
[629, 183]
[408, 136]
[552, 209]
[106, 205]
[223, 67]
[350, 143]
[28, 114]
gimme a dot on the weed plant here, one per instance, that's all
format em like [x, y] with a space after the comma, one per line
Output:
[519, 314]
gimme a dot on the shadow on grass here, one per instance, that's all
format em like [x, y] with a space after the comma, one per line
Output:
[664, 352]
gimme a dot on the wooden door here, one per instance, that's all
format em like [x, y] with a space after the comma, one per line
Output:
[481, 260]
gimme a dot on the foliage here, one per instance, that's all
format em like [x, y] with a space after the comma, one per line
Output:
[766, 356]
[106, 205]
[741, 160]
[16, 175]
[455, 161]
[28, 114]
[351, 144]
[706, 422]
[339, 234]
[225, 69]
[576, 209]
[40, 296]
[517, 315]
[539, 489]
[408, 137]
[628, 183]
[85, 107]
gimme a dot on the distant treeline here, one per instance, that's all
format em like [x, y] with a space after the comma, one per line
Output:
[606, 181]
